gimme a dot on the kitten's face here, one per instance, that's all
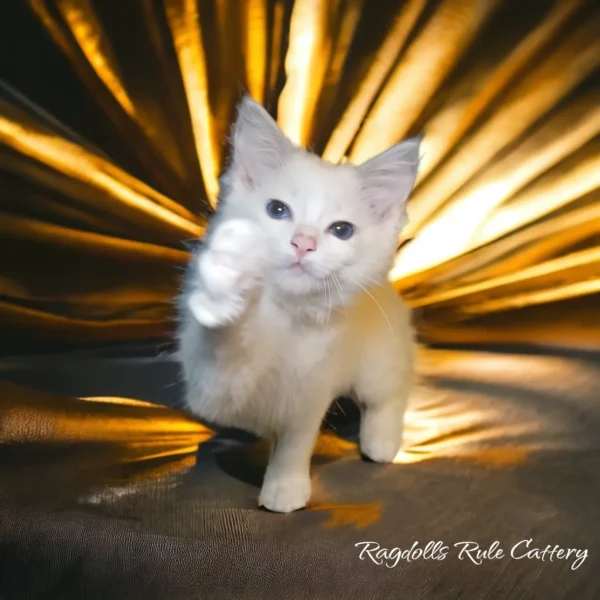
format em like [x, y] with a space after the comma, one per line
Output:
[317, 207]
[332, 228]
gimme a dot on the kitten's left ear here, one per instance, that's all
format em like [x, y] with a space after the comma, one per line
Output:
[259, 146]
[388, 178]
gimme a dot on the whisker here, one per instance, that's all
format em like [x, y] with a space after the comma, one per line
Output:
[340, 293]
[329, 297]
[373, 281]
[338, 405]
[322, 291]
[374, 300]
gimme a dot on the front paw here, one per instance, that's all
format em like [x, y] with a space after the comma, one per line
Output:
[231, 267]
[212, 312]
[235, 259]
[286, 493]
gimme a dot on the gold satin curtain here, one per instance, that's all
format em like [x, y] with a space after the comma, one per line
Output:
[105, 172]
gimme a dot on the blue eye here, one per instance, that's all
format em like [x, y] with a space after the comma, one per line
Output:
[278, 210]
[342, 230]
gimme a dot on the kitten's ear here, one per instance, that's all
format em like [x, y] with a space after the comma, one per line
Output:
[259, 146]
[388, 178]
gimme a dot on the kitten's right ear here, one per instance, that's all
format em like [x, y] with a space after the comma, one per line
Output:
[259, 146]
[388, 178]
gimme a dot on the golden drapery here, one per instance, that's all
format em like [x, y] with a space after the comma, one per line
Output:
[504, 222]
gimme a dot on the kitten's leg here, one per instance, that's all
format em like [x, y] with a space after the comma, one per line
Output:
[286, 486]
[230, 269]
[383, 396]
[381, 429]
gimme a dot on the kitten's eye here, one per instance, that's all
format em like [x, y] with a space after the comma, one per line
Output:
[278, 210]
[342, 230]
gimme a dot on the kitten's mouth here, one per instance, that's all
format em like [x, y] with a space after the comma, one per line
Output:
[300, 270]
[298, 266]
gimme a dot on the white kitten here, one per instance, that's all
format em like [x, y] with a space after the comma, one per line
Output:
[287, 305]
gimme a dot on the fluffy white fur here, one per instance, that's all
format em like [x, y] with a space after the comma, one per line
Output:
[266, 346]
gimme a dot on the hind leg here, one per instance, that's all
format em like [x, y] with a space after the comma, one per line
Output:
[381, 430]
[383, 396]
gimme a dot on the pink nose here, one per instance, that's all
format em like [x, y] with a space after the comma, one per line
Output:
[303, 244]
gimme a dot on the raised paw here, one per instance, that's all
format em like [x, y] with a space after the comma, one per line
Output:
[231, 266]
[285, 494]
[235, 259]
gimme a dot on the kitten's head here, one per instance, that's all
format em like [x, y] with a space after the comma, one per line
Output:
[323, 221]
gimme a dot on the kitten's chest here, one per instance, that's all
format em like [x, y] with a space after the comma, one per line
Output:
[276, 371]
[293, 344]
[277, 351]
[295, 351]
[308, 350]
